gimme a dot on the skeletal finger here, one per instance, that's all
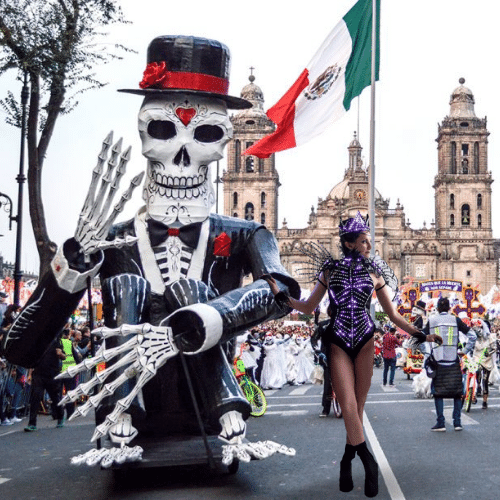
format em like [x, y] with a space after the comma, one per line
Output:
[106, 180]
[122, 405]
[136, 181]
[115, 184]
[123, 330]
[99, 378]
[102, 355]
[96, 174]
[117, 242]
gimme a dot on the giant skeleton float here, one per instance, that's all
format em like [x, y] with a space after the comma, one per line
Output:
[171, 277]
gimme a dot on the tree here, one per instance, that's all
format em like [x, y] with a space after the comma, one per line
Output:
[55, 43]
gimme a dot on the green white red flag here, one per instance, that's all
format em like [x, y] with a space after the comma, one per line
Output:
[338, 72]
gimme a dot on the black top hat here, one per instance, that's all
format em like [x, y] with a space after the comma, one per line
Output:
[420, 304]
[190, 65]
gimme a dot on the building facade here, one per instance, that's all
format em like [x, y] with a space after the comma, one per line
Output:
[459, 245]
[250, 183]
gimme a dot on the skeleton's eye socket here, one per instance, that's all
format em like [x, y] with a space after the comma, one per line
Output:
[208, 133]
[161, 129]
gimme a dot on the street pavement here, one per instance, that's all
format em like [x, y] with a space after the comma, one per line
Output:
[415, 463]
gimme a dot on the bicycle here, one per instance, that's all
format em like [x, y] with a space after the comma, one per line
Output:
[471, 368]
[252, 392]
[337, 411]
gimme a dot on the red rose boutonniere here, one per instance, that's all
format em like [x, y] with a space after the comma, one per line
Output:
[154, 75]
[222, 245]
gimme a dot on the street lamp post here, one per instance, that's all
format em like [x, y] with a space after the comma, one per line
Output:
[21, 179]
[8, 208]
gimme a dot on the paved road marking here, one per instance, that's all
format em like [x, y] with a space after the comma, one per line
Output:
[389, 477]
[299, 391]
[7, 433]
[465, 419]
[287, 413]
[4, 479]
[389, 388]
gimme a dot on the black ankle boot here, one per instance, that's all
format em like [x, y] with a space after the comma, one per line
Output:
[371, 470]
[345, 481]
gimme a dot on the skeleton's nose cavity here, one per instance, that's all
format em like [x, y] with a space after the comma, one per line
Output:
[182, 158]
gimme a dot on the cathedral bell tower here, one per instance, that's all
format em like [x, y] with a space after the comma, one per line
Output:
[463, 183]
[250, 183]
[463, 190]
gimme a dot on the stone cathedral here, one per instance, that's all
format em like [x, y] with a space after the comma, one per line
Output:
[459, 245]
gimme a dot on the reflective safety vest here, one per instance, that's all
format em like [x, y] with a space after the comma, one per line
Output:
[68, 350]
[445, 325]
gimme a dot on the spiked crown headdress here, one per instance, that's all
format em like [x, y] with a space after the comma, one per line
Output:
[356, 224]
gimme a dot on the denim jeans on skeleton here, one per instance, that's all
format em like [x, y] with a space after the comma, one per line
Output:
[389, 363]
[457, 410]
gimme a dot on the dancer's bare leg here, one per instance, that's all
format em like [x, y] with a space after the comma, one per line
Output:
[363, 367]
[351, 383]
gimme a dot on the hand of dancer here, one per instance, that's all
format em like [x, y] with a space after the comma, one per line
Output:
[271, 282]
[434, 338]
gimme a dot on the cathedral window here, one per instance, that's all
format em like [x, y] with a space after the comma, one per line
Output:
[453, 162]
[235, 214]
[476, 157]
[452, 201]
[262, 199]
[408, 265]
[465, 166]
[420, 271]
[262, 218]
[452, 220]
[479, 201]
[237, 155]
[479, 220]
[235, 199]
[249, 213]
[465, 159]
[249, 164]
[465, 215]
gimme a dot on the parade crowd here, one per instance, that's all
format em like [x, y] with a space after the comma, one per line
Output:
[274, 354]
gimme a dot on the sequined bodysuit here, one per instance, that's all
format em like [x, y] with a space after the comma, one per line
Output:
[350, 290]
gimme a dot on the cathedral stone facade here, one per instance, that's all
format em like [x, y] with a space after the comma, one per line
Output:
[459, 245]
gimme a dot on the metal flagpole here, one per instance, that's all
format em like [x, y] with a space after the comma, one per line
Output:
[371, 169]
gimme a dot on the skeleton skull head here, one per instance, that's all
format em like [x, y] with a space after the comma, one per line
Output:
[181, 135]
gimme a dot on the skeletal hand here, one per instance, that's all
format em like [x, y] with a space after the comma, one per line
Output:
[245, 451]
[237, 447]
[106, 457]
[94, 222]
[142, 356]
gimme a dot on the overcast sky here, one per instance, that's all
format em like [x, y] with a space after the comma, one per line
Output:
[426, 46]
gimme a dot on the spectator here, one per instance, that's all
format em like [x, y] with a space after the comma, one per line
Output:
[389, 344]
[484, 349]
[43, 380]
[72, 357]
[3, 305]
[447, 382]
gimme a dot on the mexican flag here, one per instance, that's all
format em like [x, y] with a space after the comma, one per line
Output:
[337, 73]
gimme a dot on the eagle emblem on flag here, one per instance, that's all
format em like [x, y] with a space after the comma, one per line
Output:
[323, 83]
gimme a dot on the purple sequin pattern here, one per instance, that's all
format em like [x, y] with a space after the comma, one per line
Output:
[350, 291]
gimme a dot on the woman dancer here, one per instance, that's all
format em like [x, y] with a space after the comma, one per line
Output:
[350, 283]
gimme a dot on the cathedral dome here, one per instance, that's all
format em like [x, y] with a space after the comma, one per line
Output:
[462, 102]
[341, 191]
[253, 93]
